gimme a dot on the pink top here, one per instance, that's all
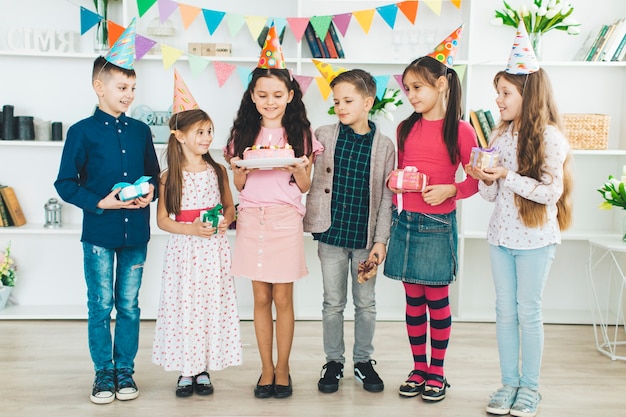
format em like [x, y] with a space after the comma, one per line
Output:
[424, 148]
[272, 187]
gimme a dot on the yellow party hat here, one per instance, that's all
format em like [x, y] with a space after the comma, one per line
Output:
[328, 71]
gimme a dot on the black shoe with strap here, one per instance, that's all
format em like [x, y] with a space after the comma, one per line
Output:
[331, 373]
[184, 390]
[203, 389]
[410, 388]
[434, 393]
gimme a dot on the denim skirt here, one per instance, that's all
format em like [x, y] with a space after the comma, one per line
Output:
[422, 248]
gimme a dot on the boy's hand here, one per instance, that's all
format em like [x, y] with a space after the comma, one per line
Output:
[111, 202]
[145, 200]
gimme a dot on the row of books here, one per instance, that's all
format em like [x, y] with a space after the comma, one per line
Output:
[10, 210]
[607, 44]
[483, 123]
[330, 47]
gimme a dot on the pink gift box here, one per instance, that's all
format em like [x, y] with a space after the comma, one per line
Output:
[408, 179]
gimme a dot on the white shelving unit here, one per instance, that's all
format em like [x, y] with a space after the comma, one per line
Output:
[56, 86]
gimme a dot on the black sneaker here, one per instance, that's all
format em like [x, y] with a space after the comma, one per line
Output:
[103, 390]
[125, 386]
[331, 373]
[364, 372]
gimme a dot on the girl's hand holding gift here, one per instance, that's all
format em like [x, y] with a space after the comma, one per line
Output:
[486, 175]
[202, 229]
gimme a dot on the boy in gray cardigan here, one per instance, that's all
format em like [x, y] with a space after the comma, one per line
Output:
[348, 211]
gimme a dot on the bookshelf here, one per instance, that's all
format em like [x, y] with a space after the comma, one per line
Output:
[55, 86]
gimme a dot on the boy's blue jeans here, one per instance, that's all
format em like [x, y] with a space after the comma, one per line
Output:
[337, 265]
[104, 290]
[520, 277]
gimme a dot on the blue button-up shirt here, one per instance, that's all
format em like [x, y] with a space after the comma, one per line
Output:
[99, 152]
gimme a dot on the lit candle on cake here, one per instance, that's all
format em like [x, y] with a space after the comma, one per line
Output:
[269, 143]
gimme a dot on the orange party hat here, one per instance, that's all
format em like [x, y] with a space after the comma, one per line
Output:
[272, 53]
[183, 100]
[328, 71]
[446, 50]
[522, 59]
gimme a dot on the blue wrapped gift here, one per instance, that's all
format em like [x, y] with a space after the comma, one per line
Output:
[140, 188]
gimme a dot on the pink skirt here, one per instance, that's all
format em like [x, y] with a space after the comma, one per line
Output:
[270, 245]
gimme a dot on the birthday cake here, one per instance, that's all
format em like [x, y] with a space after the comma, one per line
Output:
[268, 151]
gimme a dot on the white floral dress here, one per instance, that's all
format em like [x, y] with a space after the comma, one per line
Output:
[197, 326]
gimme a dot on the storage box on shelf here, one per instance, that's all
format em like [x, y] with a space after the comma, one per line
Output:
[51, 279]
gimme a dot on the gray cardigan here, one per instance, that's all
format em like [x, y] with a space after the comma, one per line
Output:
[317, 218]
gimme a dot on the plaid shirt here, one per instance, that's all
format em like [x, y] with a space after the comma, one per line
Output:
[351, 184]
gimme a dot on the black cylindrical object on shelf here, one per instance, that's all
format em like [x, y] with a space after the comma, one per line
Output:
[57, 131]
[8, 130]
[24, 127]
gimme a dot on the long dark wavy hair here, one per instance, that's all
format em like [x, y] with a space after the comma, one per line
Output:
[247, 124]
[429, 70]
[184, 121]
[538, 111]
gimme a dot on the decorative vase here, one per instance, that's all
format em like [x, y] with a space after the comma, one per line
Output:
[101, 37]
[5, 293]
[535, 42]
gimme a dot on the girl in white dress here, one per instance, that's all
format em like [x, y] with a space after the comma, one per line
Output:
[197, 326]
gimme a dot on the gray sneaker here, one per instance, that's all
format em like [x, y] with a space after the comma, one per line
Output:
[502, 400]
[526, 403]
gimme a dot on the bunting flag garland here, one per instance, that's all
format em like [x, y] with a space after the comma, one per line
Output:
[88, 19]
[381, 85]
[256, 24]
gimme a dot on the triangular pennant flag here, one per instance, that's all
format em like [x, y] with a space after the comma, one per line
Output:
[460, 70]
[223, 71]
[364, 17]
[409, 9]
[323, 86]
[235, 22]
[279, 22]
[197, 64]
[115, 31]
[388, 13]
[522, 59]
[320, 25]
[213, 18]
[457, 3]
[304, 81]
[244, 75]
[166, 8]
[255, 25]
[446, 50]
[434, 5]
[398, 78]
[88, 19]
[122, 53]
[298, 26]
[142, 46]
[144, 5]
[381, 85]
[183, 99]
[188, 14]
[328, 71]
[342, 21]
[170, 55]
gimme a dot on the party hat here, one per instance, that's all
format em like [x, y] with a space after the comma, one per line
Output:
[446, 50]
[272, 53]
[328, 71]
[183, 100]
[122, 52]
[522, 59]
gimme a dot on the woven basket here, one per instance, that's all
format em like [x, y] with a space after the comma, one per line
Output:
[587, 131]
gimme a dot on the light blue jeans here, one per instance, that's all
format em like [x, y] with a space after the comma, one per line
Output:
[336, 262]
[519, 277]
[105, 291]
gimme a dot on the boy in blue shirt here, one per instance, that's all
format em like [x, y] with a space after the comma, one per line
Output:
[101, 151]
[348, 210]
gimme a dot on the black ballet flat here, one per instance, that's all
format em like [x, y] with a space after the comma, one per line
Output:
[184, 390]
[263, 391]
[203, 389]
[283, 391]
